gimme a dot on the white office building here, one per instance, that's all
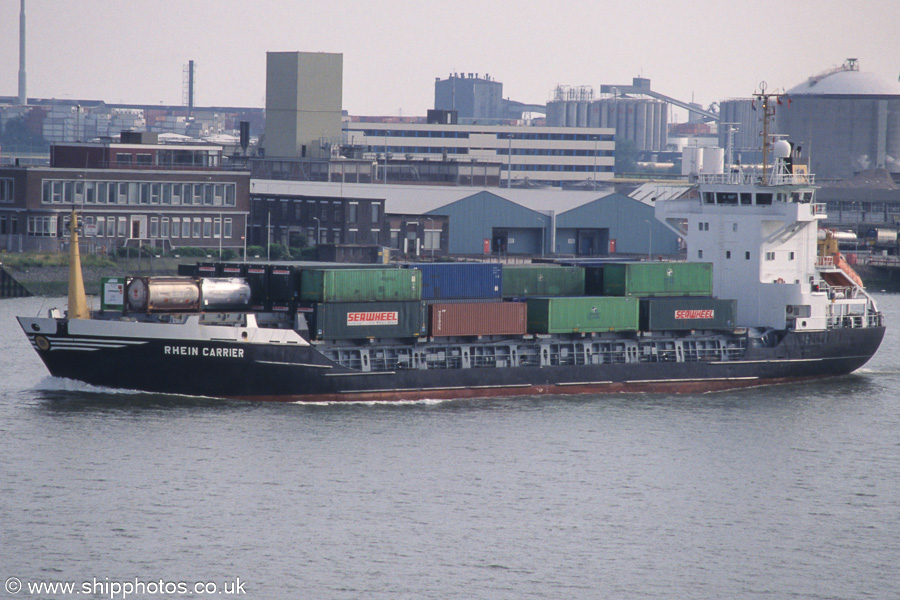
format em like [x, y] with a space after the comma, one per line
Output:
[538, 155]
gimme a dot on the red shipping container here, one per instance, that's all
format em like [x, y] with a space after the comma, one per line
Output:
[478, 318]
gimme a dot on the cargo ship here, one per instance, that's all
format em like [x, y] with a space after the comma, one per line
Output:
[753, 303]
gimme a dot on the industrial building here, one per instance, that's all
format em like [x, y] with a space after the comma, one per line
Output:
[478, 99]
[303, 104]
[845, 120]
[508, 222]
[526, 155]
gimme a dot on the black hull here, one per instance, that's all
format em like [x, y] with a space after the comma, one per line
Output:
[272, 372]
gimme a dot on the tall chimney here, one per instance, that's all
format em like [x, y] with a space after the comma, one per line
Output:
[23, 98]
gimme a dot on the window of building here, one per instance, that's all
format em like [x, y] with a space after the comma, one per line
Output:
[728, 254]
[6, 190]
[228, 229]
[144, 159]
[145, 193]
[208, 194]
[154, 227]
[123, 158]
[217, 227]
[110, 226]
[351, 236]
[770, 256]
[699, 253]
[747, 255]
[375, 212]
[186, 227]
[791, 256]
[122, 193]
[198, 194]
[219, 196]
[41, 226]
[432, 239]
[164, 229]
[338, 217]
[101, 227]
[134, 190]
[197, 227]
[122, 227]
[176, 227]
[102, 192]
[229, 195]
[154, 193]
[351, 212]
[176, 193]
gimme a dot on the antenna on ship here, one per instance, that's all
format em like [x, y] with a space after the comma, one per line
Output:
[768, 108]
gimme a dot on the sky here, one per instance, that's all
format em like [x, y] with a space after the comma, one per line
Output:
[135, 51]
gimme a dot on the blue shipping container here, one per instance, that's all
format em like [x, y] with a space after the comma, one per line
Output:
[457, 281]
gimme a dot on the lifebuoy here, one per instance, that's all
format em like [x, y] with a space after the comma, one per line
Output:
[779, 280]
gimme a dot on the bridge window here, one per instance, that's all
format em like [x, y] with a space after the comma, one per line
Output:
[764, 199]
[746, 198]
[727, 198]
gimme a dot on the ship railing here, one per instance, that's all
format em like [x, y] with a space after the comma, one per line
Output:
[733, 178]
[742, 178]
[825, 261]
[791, 179]
[818, 208]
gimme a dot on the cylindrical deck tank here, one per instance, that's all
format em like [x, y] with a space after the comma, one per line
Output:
[152, 294]
[224, 293]
[881, 238]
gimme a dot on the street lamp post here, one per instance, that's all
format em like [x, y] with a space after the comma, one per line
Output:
[430, 220]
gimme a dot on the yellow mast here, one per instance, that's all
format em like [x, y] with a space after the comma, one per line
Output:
[78, 308]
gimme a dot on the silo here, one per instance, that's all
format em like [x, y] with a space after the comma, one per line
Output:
[846, 120]
[747, 123]
[571, 113]
[582, 113]
[556, 113]
[691, 160]
[640, 126]
[713, 160]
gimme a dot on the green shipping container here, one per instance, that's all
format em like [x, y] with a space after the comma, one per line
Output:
[358, 320]
[542, 280]
[112, 293]
[584, 314]
[681, 314]
[652, 279]
[360, 285]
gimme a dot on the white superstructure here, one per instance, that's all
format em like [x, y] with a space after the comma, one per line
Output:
[761, 232]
